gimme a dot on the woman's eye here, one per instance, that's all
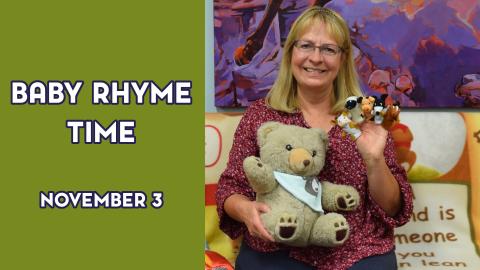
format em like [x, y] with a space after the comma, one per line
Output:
[288, 147]
[306, 46]
[329, 50]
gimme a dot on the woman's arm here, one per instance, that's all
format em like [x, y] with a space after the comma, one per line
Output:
[382, 185]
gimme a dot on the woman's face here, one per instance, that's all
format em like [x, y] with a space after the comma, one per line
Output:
[315, 69]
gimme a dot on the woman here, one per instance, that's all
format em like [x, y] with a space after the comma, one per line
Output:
[316, 75]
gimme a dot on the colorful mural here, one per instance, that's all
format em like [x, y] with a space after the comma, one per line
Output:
[423, 53]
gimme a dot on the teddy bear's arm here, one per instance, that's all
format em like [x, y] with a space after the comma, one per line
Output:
[259, 175]
[339, 197]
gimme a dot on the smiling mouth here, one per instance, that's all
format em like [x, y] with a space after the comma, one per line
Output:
[316, 70]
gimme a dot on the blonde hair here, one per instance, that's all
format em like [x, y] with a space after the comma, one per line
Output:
[283, 94]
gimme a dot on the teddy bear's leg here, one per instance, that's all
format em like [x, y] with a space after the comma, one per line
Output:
[285, 226]
[339, 197]
[259, 174]
[286, 219]
[330, 230]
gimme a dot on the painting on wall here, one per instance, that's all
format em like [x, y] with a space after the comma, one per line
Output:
[423, 53]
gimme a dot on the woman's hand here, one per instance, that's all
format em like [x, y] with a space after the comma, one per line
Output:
[242, 209]
[371, 144]
[251, 218]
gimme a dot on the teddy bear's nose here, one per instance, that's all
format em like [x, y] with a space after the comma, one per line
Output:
[306, 162]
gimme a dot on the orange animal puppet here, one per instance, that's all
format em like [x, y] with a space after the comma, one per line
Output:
[391, 117]
[367, 106]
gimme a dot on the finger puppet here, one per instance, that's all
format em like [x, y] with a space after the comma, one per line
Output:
[348, 126]
[379, 109]
[367, 106]
[371, 108]
[352, 105]
[284, 178]
[391, 116]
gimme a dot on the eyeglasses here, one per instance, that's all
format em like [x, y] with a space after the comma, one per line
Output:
[325, 49]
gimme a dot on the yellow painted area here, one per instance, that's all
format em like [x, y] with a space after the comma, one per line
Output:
[472, 121]
[420, 172]
[216, 239]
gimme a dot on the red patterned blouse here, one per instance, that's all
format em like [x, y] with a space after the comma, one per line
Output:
[371, 229]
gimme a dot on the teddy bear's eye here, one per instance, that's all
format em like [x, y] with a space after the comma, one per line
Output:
[288, 147]
[314, 153]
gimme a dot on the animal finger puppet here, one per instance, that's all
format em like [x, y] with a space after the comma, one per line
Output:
[348, 126]
[370, 108]
[366, 105]
[284, 178]
[379, 109]
[391, 116]
[352, 105]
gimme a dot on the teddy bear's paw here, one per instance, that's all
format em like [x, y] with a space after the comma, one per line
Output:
[339, 197]
[259, 175]
[253, 163]
[287, 227]
[254, 167]
[330, 230]
[347, 201]
[341, 231]
[259, 162]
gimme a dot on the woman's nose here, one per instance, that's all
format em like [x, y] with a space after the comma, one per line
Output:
[316, 56]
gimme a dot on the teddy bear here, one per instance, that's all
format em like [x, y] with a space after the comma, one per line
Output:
[284, 178]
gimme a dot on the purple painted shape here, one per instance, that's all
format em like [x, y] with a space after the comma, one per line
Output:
[430, 47]
[425, 54]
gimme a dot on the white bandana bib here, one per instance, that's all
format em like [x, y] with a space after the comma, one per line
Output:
[297, 186]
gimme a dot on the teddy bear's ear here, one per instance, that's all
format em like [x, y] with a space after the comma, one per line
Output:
[322, 134]
[264, 130]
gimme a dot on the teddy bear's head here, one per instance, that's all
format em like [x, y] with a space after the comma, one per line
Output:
[292, 149]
